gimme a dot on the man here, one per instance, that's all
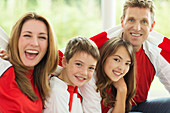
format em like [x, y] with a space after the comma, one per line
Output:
[137, 22]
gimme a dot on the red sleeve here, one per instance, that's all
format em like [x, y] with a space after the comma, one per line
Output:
[100, 39]
[165, 46]
[60, 57]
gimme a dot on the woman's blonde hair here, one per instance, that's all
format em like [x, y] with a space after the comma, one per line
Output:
[41, 71]
[104, 83]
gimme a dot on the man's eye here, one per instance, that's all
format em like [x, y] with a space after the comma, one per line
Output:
[144, 21]
[131, 20]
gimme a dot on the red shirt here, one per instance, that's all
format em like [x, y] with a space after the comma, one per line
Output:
[144, 76]
[12, 100]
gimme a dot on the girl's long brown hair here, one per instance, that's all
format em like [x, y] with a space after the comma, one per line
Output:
[41, 71]
[104, 83]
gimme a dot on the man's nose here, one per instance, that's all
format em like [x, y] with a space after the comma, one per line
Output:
[137, 26]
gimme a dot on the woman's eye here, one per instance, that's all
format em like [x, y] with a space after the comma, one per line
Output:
[27, 35]
[43, 37]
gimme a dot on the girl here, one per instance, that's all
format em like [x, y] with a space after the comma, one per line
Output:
[115, 75]
[114, 78]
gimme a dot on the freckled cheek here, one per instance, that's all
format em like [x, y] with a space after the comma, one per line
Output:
[90, 74]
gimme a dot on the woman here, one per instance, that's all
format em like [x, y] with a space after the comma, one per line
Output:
[32, 57]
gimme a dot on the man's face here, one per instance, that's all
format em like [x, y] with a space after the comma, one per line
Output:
[136, 25]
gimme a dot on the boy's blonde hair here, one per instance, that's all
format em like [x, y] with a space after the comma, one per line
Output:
[81, 44]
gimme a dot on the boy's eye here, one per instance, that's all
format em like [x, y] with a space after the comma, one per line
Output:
[78, 64]
[91, 68]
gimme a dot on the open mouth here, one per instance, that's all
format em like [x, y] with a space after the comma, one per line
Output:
[117, 73]
[80, 78]
[31, 54]
[136, 35]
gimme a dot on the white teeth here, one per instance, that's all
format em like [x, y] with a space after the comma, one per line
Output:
[80, 78]
[30, 51]
[135, 34]
[117, 73]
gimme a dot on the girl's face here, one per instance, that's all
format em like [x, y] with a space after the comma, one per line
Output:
[33, 42]
[117, 65]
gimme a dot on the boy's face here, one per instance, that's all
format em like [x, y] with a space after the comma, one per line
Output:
[136, 25]
[79, 69]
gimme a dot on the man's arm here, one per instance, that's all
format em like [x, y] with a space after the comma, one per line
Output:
[4, 39]
[91, 99]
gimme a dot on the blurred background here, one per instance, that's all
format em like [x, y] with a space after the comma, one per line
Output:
[71, 18]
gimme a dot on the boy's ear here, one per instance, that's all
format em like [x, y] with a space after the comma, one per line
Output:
[152, 26]
[64, 61]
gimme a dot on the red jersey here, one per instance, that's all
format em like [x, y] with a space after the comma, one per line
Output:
[12, 100]
[144, 76]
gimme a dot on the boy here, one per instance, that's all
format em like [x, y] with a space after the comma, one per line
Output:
[79, 62]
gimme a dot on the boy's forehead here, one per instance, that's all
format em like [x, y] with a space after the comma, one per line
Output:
[84, 57]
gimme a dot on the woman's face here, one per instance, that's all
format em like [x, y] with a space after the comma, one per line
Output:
[33, 42]
[117, 65]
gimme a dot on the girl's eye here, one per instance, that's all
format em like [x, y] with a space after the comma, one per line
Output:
[117, 60]
[128, 64]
